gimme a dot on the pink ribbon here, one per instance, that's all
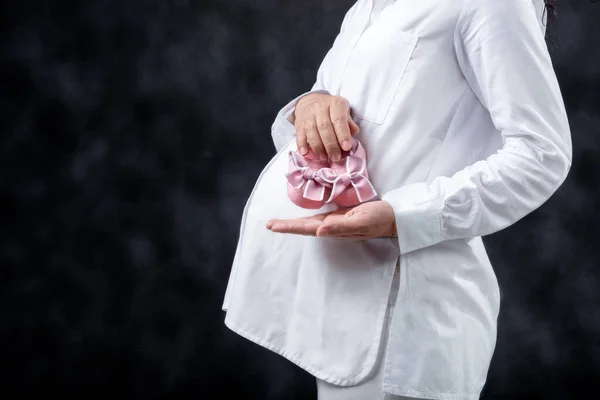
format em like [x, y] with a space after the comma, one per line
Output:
[317, 180]
[354, 175]
[302, 173]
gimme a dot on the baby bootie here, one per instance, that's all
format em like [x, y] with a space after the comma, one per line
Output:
[349, 178]
[306, 188]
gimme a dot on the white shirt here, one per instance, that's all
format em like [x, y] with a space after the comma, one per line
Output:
[465, 130]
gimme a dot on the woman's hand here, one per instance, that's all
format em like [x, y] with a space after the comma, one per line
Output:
[365, 221]
[324, 123]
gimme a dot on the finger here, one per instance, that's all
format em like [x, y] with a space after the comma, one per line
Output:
[340, 211]
[337, 216]
[339, 114]
[314, 139]
[316, 217]
[301, 141]
[355, 238]
[344, 226]
[297, 226]
[328, 136]
[354, 129]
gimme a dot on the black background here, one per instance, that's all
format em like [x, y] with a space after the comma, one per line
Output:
[131, 135]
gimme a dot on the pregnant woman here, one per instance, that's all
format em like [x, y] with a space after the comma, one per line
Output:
[459, 111]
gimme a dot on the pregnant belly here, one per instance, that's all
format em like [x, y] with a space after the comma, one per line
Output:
[309, 299]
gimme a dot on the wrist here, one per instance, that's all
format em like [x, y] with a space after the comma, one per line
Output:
[392, 231]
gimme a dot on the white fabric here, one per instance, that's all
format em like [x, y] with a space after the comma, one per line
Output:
[372, 387]
[465, 130]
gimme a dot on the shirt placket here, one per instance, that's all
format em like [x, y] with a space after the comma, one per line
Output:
[366, 23]
[362, 24]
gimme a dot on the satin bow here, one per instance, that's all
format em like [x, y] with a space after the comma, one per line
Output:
[300, 173]
[354, 175]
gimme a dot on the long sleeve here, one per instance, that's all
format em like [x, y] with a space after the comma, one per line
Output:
[283, 129]
[503, 55]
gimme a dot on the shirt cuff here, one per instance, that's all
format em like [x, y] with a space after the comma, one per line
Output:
[283, 129]
[418, 214]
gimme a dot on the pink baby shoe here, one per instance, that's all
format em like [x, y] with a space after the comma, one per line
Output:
[306, 188]
[349, 178]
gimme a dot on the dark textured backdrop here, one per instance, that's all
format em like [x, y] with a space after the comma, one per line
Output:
[131, 135]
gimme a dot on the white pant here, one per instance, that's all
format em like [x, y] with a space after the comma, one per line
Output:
[372, 388]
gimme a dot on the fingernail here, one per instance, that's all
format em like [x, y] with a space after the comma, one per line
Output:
[269, 224]
[323, 157]
[346, 145]
[303, 150]
[336, 157]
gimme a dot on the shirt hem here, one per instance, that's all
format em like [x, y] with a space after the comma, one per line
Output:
[431, 395]
[294, 359]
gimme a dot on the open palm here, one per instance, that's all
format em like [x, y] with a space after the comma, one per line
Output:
[365, 221]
